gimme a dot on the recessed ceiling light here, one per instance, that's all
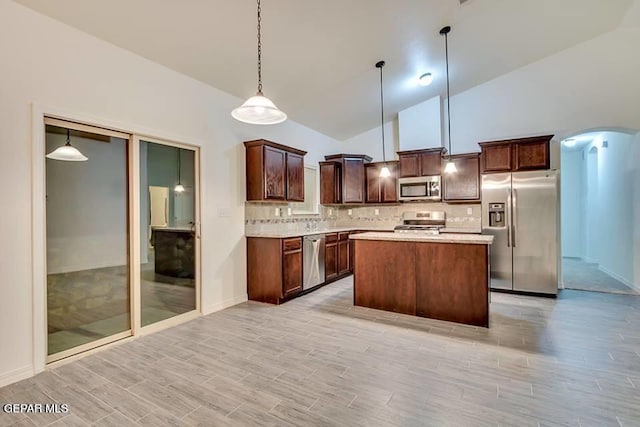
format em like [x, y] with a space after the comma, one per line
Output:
[569, 142]
[425, 79]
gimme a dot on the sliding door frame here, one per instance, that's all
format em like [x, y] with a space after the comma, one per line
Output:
[134, 133]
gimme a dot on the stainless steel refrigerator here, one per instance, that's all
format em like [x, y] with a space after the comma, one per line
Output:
[520, 210]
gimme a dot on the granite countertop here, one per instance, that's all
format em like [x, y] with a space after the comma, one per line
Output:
[418, 237]
[287, 234]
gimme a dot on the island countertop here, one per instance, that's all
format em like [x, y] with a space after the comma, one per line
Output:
[477, 239]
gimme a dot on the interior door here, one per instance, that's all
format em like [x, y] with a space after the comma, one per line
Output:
[535, 237]
[496, 190]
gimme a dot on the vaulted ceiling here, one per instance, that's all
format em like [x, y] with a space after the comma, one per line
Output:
[319, 56]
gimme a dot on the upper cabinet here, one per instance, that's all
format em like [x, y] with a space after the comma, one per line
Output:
[464, 184]
[515, 154]
[420, 162]
[342, 179]
[381, 189]
[275, 172]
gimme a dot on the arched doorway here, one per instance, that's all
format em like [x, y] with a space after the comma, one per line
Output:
[600, 210]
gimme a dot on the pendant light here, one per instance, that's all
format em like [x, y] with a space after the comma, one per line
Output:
[67, 152]
[384, 172]
[179, 188]
[259, 110]
[450, 167]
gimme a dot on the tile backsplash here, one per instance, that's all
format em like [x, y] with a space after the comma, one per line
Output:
[261, 217]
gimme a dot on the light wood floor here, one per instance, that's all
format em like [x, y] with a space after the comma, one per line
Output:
[319, 361]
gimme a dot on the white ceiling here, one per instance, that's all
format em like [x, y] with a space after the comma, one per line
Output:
[319, 56]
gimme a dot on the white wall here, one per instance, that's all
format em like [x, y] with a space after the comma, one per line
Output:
[419, 126]
[370, 142]
[87, 206]
[572, 208]
[594, 84]
[50, 63]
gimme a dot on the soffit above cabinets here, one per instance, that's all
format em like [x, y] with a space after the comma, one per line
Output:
[319, 56]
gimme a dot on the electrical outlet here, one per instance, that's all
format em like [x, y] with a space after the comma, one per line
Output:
[289, 211]
[376, 211]
[350, 212]
[330, 212]
[469, 211]
[277, 212]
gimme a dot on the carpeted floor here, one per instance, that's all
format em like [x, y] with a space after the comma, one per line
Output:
[585, 276]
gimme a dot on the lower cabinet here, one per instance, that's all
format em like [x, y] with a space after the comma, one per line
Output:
[344, 266]
[331, 256]
[274, 268]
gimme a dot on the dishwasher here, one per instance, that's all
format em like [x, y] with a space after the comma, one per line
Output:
[313, 255]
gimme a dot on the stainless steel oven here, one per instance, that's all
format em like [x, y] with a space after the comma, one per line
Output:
[420, 188]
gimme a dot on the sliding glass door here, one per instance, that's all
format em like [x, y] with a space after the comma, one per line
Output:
[87, 217]
[122, 241]
[168, 240]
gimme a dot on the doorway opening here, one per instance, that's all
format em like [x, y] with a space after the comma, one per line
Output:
[600, 210]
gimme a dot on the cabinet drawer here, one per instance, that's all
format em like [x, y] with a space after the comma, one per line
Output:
[343, 236]
[331, 238]
[291, 244]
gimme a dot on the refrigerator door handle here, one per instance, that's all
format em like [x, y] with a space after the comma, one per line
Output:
[514, 215]
[508, 217]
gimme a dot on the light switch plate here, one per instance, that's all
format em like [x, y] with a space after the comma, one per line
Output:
[376, 211]
[350, 212]
[469, 211]
[289, 211]
[277, 212]
[330, 212]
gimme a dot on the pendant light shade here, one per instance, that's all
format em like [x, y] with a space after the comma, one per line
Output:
[384, 172]
[67, 152]
[450, 167]
[259, 110]
[179, 188]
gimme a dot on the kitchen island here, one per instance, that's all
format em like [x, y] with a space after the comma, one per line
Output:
[443, 276]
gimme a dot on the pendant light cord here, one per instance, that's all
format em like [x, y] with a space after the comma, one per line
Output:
[259, 49]
[179, 172]
[380, 65]
[446, 56]
[68, 138]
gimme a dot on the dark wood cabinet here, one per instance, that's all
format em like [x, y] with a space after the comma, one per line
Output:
[464, 185]
[295, 177]
[274, 268]
[292, 266]
[275, 164]
[274, 172]
[420, 162]
[381, 189]
[514, 155]
[342, 179]
[344, 266]
[331, 256]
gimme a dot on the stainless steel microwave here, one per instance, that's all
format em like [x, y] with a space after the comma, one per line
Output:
[420, 188]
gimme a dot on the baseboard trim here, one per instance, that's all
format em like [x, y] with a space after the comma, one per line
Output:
[16, 375]
[619, 278]
[224, 304]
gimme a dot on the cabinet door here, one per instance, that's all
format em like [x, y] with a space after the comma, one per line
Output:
[343, 253]
[295, 177]
[291, 272]
[496, 158]
[531, 155]
[372, 176]
[430, 163]
[274, 173]
[409, 165]
[353, 181]
[330, 183]
[464, 185]
[389, 185]
[331, 258]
